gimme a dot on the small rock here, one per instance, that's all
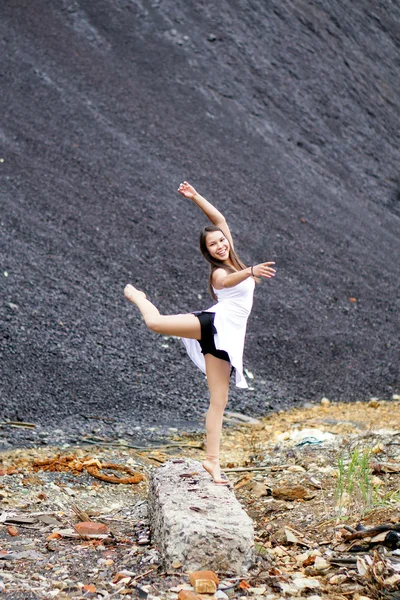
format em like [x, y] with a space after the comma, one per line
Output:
[315, 482]
[211, 37]
[289, 589]
[54, 536]
[176, 564]
[290, 492]
[258, 489]
[221, 595]
[325, 402]
[321, 564]
[307, 558]
[296, 469]
[376, 481]
[290, 536]
[204, 582]
[306, 584]
[392, 581]
[91, 528]
[378, 448]
[180, 587]
[90, 588]
[373, 403]
[337, 579]
[256, 591]
[245, 419]
[187, 595]
[121, 578]
[278, 551]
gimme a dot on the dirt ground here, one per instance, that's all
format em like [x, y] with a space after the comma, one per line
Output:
[289, 470]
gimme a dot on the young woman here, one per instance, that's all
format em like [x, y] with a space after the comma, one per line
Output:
[213, 338]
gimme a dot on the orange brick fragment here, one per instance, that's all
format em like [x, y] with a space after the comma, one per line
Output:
[204, 582]
[118, 576]
[91, 528]
[89, 588]
[54, 536]
[12, 530]
[187, 595]
[244, 585]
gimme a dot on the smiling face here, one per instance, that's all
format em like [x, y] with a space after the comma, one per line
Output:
[217, 245]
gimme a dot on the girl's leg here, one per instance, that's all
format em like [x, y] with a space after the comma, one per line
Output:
[187, 326]
[218, 375]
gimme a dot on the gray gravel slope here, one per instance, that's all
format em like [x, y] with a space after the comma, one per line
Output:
[285, 115]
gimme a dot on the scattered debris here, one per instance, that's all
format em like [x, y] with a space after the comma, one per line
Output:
[93, 466]
[81, 537]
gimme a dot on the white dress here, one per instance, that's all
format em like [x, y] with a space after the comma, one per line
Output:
[231, 313]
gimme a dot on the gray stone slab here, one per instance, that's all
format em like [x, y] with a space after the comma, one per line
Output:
[196, 522]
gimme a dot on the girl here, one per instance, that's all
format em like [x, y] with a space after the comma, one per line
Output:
[213, 338]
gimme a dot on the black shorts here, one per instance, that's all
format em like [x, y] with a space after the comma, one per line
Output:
[208, 330]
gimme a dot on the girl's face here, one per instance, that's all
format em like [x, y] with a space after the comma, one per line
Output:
[217, 245]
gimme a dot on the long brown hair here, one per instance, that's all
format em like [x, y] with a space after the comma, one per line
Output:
[215, 263]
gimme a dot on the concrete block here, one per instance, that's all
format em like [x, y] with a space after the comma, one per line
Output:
[196, 522]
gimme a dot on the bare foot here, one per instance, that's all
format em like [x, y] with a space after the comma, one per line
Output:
[211, 465]
[132, 294]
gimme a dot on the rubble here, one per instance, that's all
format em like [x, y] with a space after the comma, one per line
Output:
[304, 547]
[204, 582]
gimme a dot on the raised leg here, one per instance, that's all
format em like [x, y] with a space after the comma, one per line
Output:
[187, 326]
[218, 374]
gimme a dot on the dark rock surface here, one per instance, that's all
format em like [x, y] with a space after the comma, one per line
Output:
[285, 115]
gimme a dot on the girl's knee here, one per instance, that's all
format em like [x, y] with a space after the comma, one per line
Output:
[219, 401]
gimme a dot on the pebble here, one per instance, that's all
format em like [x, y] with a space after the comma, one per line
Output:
[373, 403]
[321, 564]
[257, 591]
[337, 579]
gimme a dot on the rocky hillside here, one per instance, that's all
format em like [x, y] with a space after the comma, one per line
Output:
[285, 115]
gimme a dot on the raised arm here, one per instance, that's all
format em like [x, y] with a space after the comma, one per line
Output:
[208, 209]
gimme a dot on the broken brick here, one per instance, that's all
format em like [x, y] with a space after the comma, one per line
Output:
[204, 582]
[188, 595]
[91, 528]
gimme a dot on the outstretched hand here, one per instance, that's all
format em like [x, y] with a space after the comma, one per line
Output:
[187, 190]
[264, 270]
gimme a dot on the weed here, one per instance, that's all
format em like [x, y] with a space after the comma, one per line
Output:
[354, 487]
